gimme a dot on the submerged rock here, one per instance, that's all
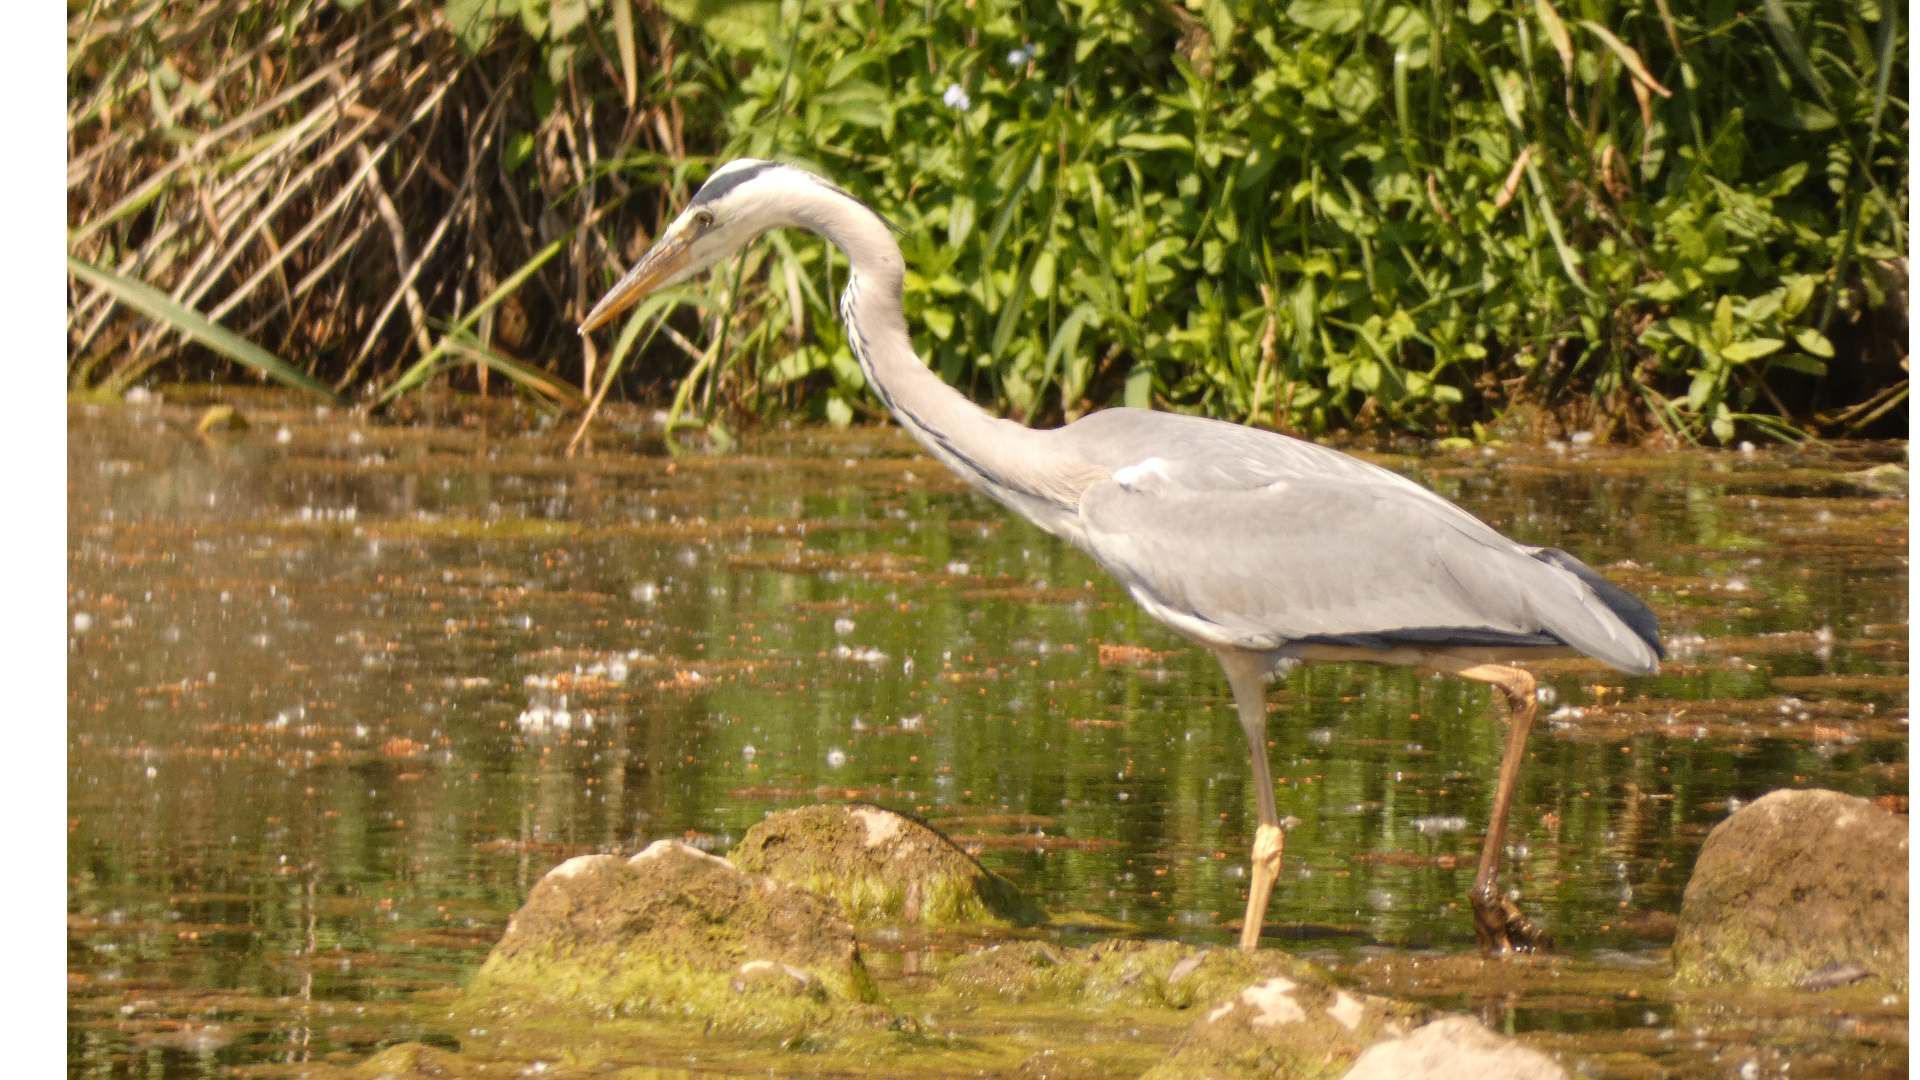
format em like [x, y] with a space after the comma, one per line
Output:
[221, 418]
[881, 866]
[675, 933]
[1119, 973]
[415, 1061]
[1453, 1048]
[1794, 884]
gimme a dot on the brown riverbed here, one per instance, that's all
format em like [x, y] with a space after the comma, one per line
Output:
[339, 692]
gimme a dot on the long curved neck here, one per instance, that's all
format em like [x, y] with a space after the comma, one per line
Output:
[1012, 463]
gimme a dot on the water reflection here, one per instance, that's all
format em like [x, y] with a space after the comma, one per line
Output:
[340, 693]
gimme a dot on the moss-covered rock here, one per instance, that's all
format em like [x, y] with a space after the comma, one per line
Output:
[1453, 1048]
[1297, 1026]
[882, 866]
[1793, 884]
[674, 933]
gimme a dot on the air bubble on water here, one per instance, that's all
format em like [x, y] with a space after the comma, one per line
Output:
[283, 436]
[748, 751]
[82, 621]
[1438, 824]
[152, 772]
[836, 758]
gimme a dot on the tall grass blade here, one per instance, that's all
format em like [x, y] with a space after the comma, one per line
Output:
[1630, 56]
[161, 308]
[623, 41]
[423, 368]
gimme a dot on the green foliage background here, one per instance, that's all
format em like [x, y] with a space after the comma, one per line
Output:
[1608, 214]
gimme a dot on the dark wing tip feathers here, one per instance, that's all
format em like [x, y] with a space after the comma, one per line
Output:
[1631, 609]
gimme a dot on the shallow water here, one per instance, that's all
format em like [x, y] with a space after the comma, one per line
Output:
[340, 693]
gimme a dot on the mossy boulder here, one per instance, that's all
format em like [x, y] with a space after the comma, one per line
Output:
[882, 866]
[1295, 1025]
[1796, 883]
[1453, 1048]
[676, 934]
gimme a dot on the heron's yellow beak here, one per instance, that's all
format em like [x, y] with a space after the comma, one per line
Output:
[658, 266]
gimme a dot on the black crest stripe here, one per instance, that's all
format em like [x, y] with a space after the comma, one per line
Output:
[726, 182]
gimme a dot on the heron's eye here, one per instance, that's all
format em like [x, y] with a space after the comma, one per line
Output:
[703, 219]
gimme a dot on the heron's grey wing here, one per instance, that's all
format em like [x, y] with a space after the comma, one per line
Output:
[1318, 558]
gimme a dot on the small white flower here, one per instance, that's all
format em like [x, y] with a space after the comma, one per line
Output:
[956, 98]
[1019, 56]
[836, 758]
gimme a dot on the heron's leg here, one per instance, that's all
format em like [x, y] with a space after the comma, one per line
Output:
[1497, 922]
[1247, 674]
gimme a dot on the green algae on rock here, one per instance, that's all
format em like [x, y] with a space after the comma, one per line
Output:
[1283, 1026]
[1793, 884]
[676, 934]
[882, 866]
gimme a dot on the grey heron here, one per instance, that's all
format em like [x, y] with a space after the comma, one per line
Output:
[1268, 551]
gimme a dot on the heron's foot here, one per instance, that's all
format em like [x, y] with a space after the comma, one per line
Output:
[1268, 843]
[1503, 928]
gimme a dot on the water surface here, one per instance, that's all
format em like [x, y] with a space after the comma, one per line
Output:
[339, 693]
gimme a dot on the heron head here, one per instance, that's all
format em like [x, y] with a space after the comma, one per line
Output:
[741, 200]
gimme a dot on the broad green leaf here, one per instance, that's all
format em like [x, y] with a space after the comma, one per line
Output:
[1327, 16]
[1140, 140]
[1139, 393]
[960, 218]
[1751, 349]
[1702, 389]
[1795, 362]
[743, 25]
[1813, 341]
[473, 22]
[1799, 294]
[1723, 321]
[1041, 279]
[1797, 115]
